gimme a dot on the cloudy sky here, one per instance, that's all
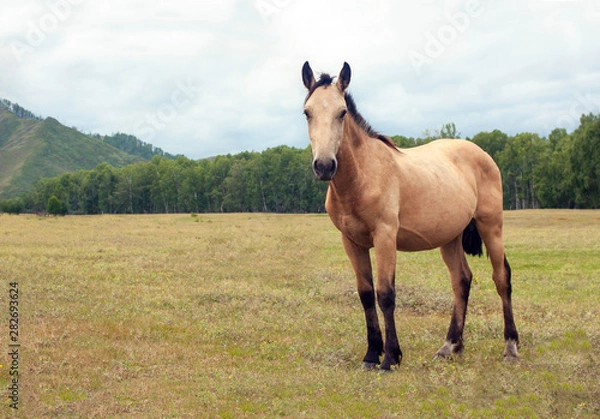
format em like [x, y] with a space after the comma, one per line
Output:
[204, 78]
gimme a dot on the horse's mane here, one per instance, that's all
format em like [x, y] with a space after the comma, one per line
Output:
[363, 124]
[326, 80]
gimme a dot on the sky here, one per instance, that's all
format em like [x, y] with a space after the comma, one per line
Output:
[205, 78]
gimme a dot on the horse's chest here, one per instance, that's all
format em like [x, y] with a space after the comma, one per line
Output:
[353, 217]
[354, 228]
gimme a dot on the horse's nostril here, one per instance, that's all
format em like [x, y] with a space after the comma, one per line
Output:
[333, 166]
[324, 169]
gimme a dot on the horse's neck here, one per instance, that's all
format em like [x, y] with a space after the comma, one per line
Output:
[352, 159]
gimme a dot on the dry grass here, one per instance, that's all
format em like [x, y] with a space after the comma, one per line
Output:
[179, 316]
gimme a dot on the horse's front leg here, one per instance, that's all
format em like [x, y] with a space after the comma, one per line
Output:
[385, 251]
[361, 262]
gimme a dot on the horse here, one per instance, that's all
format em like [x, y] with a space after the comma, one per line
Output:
[446, 194]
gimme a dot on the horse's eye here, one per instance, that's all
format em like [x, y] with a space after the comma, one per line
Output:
[343, 114]
[307, 114]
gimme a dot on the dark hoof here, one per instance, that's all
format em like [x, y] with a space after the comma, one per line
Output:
[369, 366]
[388, 364]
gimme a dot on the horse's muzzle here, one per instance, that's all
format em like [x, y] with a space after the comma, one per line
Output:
[324, 169]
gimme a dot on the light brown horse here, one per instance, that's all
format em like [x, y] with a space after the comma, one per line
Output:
[445, 194]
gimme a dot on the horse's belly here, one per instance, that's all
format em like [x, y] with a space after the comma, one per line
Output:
[412, 238]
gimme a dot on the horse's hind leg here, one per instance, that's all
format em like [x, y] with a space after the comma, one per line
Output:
[460, 276]
[492, 237]
[511, 336]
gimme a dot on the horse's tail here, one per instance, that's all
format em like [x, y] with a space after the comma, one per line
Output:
[471, 240]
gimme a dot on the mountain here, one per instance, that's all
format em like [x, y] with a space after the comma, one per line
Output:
[32, 148]
[133, 145]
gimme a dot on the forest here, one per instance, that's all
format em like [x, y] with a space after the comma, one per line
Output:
[560, 171]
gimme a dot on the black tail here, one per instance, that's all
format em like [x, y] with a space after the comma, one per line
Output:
[471, 240]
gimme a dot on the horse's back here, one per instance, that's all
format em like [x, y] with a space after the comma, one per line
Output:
[445, 184]
[475, 162]
[470, 160]
[455, 150]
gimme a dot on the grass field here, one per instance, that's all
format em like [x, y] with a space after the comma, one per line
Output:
[232, 316]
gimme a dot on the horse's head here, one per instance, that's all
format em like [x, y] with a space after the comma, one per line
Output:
[325, 109]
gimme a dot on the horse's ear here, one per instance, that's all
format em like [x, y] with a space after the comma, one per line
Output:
[308, 78]
[344, 77]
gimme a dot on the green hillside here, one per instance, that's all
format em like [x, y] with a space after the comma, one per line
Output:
[31, 149]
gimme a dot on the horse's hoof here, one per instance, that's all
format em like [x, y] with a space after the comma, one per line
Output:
[369, 366]
[442, 354]
[510, 351]
[440, 357]
[389, 364]
[448, 350]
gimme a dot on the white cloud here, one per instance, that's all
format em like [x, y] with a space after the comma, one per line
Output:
[106, 67]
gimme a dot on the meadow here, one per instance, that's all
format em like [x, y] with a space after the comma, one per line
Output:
[256, 315]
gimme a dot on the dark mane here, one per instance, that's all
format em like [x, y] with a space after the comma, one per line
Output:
[363, 124]
[326, 80]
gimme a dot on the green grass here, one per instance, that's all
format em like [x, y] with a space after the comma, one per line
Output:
[232, 316]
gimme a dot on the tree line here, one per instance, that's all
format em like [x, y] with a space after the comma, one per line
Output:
[133, 145]
[277, 180]
[560, 171]
[18, 110]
